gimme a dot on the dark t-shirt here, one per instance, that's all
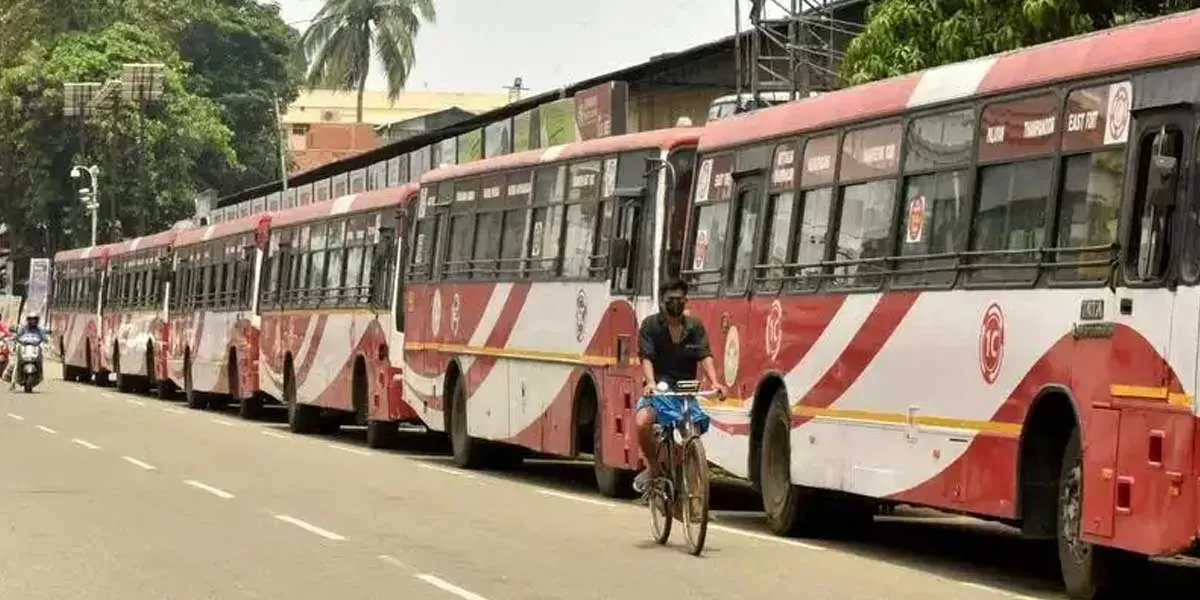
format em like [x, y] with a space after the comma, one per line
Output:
[673, 362]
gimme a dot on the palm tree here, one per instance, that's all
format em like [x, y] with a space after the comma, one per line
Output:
[346, 34]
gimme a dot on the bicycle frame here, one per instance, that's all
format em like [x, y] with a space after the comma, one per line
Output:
[672, 481]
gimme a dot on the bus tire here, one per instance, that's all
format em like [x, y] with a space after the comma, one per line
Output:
[302, 418]
[195, 400]
[468, 452]
[124, 382]
[382, 434]
[787, 506]
[1089, 572]
[613, 482]
[251, 407]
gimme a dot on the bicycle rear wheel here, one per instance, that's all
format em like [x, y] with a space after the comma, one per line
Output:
[694, 495]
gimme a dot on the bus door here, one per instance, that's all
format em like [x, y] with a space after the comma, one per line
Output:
[631, 280]
[1155, 438]
[739, 326]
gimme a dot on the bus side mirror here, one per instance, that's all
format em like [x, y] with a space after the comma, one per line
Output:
[618, 253]
[1161, 180]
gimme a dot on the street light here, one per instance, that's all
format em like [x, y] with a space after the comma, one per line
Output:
[140, 84]
[90, 195]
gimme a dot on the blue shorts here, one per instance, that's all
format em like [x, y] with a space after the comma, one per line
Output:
[668, 410]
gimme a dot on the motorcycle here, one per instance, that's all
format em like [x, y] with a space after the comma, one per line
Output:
[29, 357]
[4, 352]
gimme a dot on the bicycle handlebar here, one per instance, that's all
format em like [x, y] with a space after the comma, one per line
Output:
[698, 394]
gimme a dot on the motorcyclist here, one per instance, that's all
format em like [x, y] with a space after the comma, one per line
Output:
[32, 326]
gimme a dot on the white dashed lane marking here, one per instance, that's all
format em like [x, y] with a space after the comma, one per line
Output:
[349, 450]
[453, 472]
[85, 444]
[46, 429]
[309, 527]
[446, 586]
[218, 492]
[137, 463]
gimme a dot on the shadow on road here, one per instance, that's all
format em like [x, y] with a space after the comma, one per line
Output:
[954, 547]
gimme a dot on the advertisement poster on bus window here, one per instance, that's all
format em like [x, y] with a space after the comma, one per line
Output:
[701, 250]
[39, 285]
[915, 231]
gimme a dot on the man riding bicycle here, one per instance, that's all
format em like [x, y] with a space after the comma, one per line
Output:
[671, 345]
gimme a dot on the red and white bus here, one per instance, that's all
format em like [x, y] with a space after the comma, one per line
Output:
[214, 313]
[975, 288]
[133, 314]
[329, 313]
[528, 278]
[74, 317]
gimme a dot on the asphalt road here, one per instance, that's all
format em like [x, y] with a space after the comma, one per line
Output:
[106, 496]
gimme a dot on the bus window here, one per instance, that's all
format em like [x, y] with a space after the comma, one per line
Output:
[1158, 161]
[684, 163]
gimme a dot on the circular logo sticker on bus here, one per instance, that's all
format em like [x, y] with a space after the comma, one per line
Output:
[991, 343]
[733, 356]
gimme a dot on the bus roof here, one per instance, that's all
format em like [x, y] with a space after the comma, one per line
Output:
[354, 203]
[85, 253]
[198, 235]
[161, 239]
[666, 139]
[1141, 44]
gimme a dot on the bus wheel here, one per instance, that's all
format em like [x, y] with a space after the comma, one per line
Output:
[382, 434]
[302, 418]
[613, 482]
[786, 505]
[195, 400]
[1089, 572]
[124, 382]
[467, 451]
[251, 408]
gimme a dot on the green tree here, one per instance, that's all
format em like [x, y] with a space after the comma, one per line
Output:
[346, 34]
[227, 61]
[244, 57]
[148, 157]
[902, 36]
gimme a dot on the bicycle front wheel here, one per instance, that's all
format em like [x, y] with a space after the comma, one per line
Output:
[694, 494]
[660, 498]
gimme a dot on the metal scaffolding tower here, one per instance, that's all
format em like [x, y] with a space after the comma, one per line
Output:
[793, 46]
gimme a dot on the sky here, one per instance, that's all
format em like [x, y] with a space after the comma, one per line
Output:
[482, 45]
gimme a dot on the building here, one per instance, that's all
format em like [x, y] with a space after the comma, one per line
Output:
[402, 130]
[652, 95]
[322, 143]
[321, 125]
[332, 106]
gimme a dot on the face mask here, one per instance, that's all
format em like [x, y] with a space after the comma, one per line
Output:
[674, 306]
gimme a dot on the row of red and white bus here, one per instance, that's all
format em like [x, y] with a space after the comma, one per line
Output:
[975, 288]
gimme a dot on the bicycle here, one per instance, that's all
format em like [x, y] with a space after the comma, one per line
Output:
[687, 473]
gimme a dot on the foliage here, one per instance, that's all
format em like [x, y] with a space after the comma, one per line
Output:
[902, 36]
[226, 61]
[146, 157]
[346, 34]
